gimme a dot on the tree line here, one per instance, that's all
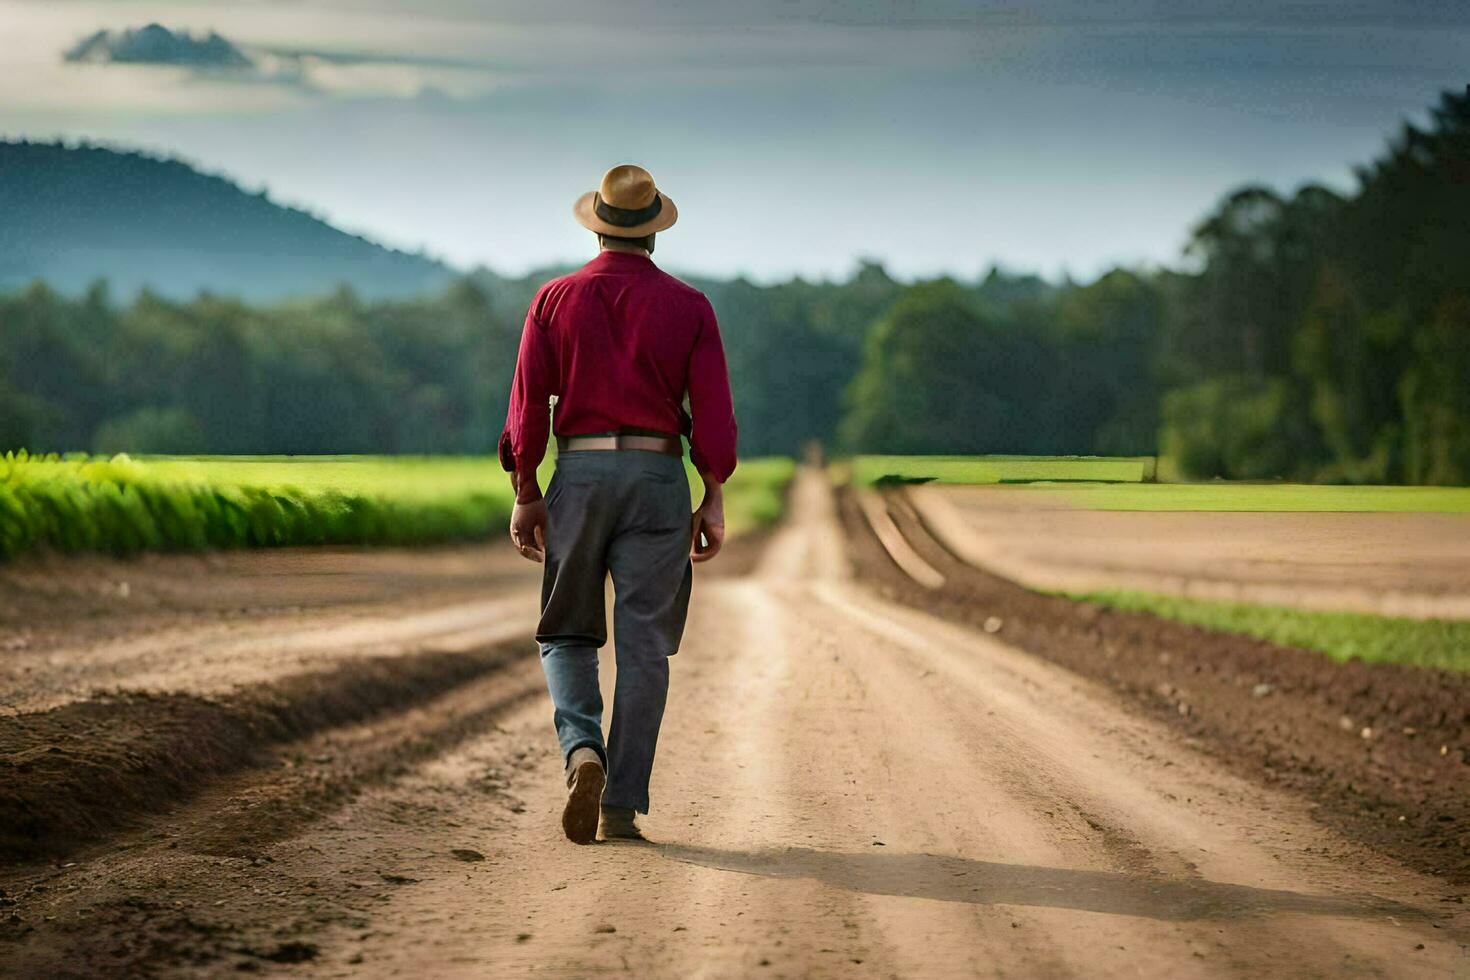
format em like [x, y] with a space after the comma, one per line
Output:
[1313, 336]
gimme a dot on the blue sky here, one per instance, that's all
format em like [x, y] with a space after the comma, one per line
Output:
[795, 135]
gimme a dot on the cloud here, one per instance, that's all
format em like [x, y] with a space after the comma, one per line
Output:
[304, 72]
[157, 45]
[373, 57]
[365, 74]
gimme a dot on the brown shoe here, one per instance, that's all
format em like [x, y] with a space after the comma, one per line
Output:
[585, 779]
[620, 823]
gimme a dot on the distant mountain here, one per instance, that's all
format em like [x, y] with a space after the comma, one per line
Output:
[71, 215]
[157, 45]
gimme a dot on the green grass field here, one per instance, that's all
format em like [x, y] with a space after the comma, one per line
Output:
[1342, 636]
[1116, 483]
[1281, 497]
[122, 505]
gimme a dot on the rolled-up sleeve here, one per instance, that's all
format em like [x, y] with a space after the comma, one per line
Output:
[528, 420]
[713, 433]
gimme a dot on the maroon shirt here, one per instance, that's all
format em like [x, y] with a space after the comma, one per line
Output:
[620, 342]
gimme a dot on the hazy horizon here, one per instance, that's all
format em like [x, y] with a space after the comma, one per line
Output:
[797, 138]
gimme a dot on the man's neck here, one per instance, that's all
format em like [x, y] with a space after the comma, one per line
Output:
[625, 249]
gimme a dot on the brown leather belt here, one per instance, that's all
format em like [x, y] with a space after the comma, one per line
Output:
[668, 445]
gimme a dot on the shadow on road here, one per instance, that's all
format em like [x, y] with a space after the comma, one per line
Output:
[956, 879]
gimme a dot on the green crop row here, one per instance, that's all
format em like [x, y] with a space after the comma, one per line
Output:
[121, 505]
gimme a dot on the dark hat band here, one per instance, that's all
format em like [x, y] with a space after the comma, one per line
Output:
[627, 217]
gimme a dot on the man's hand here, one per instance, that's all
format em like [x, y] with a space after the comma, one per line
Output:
[528, 529]
[709, 523]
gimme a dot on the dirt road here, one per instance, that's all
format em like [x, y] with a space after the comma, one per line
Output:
[845, 787]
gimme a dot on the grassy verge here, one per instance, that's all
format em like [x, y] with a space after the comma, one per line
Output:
[1257, 497]
[755, 497]
[1117, 483]
[1342, 636]
[122, 505]
[998, 469]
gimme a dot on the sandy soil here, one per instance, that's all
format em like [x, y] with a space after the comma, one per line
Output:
[846, 787]
[1391, 564]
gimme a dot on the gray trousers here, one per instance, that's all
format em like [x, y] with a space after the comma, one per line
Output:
[624, 513]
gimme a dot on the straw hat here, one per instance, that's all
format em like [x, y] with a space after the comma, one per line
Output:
[628, 205]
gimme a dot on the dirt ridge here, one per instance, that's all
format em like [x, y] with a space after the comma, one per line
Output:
[76, 773]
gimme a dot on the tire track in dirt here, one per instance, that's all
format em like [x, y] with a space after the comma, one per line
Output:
[1044, 753]
[852, 774]
[661, 908]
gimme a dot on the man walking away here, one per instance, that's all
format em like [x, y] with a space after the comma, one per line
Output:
[620, 345]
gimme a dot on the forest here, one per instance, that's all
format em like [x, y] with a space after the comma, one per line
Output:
[1313, 336]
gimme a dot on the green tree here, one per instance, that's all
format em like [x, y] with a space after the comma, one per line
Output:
[1107, 338]
[940, 376]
